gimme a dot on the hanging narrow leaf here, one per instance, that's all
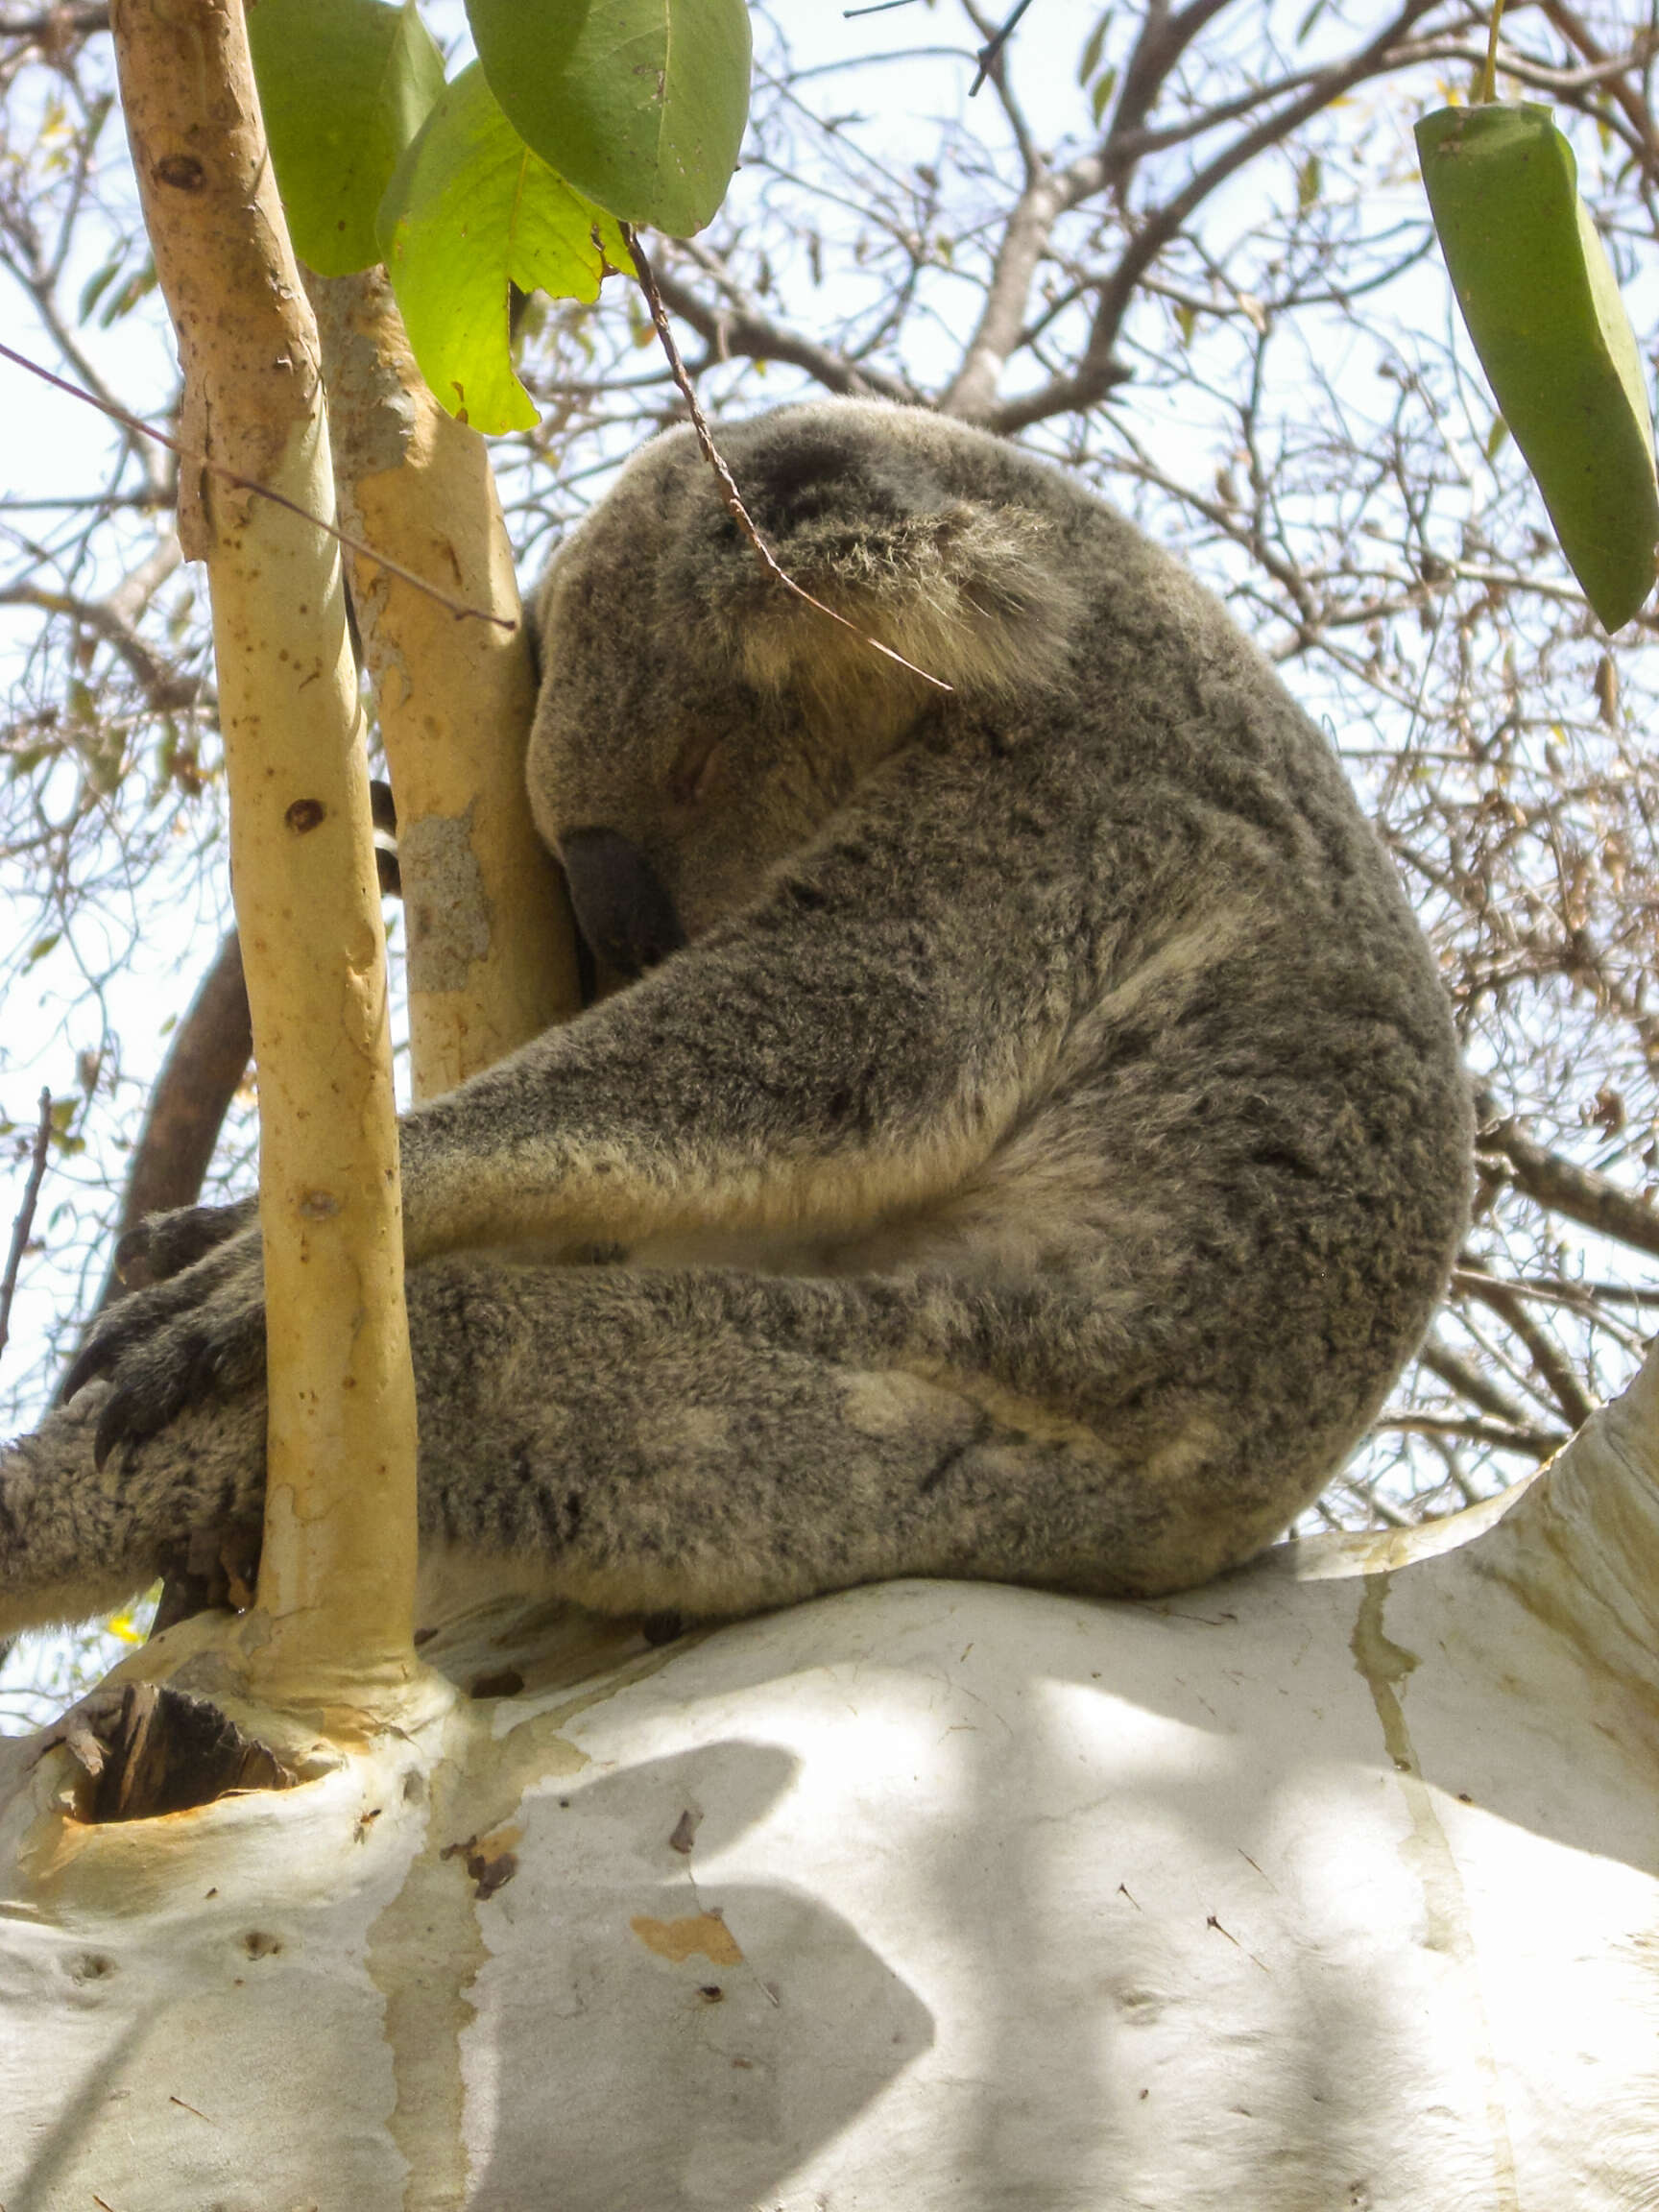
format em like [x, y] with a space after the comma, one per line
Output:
[1093, 46]
[641, 103]
[470, 209]
[1544, 311]
[344, 86]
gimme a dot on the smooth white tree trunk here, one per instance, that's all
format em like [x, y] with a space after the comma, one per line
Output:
[1335, 1885]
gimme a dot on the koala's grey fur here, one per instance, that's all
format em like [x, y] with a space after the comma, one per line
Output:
[1038, 1162]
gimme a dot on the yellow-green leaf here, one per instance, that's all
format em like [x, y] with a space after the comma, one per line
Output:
[1544, 311]
[1093, 46]
[469, 209]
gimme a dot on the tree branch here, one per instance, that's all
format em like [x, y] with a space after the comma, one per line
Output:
[1469, 1383]
[166, 689]
[204, 1066]
[25, 1219]
[1577, 35]
[1099, 370]
[1534, 1443]
[1595, 1201]
[741, 332]
[1546, 1358]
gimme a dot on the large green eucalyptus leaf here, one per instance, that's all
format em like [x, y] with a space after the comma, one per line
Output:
[469, 209]
[1544, 311]
[344, 86]
[641, 103]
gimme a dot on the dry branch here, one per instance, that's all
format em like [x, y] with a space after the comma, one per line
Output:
[1594, 1201]
[25, 1218]
[206, 1064]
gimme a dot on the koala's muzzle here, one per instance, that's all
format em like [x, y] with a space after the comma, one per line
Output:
[621, 907]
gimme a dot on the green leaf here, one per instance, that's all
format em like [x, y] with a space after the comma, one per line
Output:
[343, 86]
[469, 209]
[1105, 84]
[1092, 47]
[639, 102]
[95, 287]
[1544, 311]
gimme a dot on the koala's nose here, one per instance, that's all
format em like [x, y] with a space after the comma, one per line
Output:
[621, 907]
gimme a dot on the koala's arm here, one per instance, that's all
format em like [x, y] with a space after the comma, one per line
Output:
[851, 1046]
[848, 1047]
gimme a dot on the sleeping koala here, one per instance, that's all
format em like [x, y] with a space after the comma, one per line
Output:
[1032, 1147]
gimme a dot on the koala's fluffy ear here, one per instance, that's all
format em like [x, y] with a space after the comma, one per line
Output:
[968, 589]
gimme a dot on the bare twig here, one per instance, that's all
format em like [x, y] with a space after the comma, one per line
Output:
[25, 1221]
[205, 1063]
[729, 492]
[113, 618]
[1579, 1297]
[741, 329]
[1535, 1443]
[234, 478]
[1546, 1356]
[1098, 370]
[1577, 35]
[991, 53]
[1469, 1383]
[1595, 1201]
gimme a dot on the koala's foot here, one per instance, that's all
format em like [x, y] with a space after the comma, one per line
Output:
[198, 1334]
[214, 1569]
[164, 1244]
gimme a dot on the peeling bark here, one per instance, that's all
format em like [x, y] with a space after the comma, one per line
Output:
[491, 949]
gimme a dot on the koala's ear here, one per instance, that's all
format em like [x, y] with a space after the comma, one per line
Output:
[974, 589]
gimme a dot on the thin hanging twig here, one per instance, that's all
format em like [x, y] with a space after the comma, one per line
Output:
[459, 608]
[723, 476]
[25, 1221]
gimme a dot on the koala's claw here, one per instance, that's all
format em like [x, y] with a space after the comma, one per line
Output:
[95, 1358]
[185, 1360]
[138, 1407]
[199, 1335]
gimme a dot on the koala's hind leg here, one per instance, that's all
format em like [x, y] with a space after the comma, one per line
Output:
[710, 1442]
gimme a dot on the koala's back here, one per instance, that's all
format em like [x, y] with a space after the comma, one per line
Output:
[1156, 1005]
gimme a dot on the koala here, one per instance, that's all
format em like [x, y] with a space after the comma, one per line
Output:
[1031, 1144]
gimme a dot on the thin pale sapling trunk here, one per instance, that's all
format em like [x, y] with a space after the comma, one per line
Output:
[336, 1587]
[490, 949]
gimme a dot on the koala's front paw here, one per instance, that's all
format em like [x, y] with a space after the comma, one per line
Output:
[164, 1244]
[201, 1335]
[212, 1569]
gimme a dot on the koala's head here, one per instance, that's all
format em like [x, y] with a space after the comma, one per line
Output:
[697, 721]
